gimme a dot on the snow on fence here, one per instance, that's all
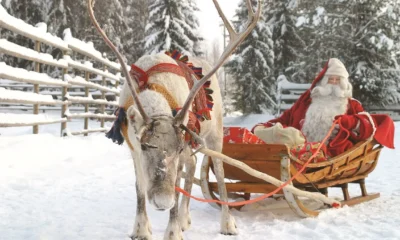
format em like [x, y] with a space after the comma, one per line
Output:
[16, 82]
[288, 93]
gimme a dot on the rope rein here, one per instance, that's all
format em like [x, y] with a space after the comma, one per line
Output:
[273, 192]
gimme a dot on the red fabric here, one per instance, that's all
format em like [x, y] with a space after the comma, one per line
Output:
[240, 135]
[142, 77]
[346, 137]
[304, 151]
[139, 75]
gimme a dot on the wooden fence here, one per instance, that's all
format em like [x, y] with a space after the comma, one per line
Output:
[98, 87]
[288, 93]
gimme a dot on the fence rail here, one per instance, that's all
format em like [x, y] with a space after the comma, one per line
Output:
[76, 74]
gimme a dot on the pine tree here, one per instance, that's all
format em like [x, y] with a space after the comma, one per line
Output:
[136, 15]
[288, 45]
[362, 35]
[193, 25]
[171, 28]
[312, 29]
[252, 66]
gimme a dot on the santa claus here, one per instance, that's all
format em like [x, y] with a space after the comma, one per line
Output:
[330, 99]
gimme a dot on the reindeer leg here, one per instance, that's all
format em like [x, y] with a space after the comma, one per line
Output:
[142, 226]
[174, 231]
[228, 225]
[184, 213]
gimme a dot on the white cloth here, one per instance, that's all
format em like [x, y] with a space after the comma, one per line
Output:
[277, 134]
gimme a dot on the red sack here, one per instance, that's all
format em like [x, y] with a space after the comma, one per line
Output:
[240, 135]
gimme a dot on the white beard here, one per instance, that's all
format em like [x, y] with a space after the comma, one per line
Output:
[325, 105]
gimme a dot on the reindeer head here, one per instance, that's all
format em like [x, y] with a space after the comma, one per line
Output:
[159, 143]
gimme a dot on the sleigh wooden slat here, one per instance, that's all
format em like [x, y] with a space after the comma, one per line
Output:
[350, 167]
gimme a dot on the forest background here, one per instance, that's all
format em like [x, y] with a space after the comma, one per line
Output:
[292, 41]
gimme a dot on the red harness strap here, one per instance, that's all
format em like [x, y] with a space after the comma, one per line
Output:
[142, 77]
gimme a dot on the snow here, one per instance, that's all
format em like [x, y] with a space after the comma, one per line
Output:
[90, 100]
[300, 21]
[25, 96]
[283, 83]
[87, 49]
[42, 27]
[89, 115]
[22, 75]
[89, 68]
[18, 26]
[84, 188]
[82, 82]
[29, 54]
[9, 119]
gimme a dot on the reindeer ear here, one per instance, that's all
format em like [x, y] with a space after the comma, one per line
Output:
[135, 119]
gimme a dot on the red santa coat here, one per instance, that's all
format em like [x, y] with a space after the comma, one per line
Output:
[382, 126]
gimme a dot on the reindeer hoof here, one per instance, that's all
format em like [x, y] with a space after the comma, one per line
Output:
[140, 238]
[141, 233]
[185, 223]
[228, 227]
[173, 232]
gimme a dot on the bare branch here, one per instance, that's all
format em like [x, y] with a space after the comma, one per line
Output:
[90, 4]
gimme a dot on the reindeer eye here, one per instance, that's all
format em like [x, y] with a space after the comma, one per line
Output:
[146, 146]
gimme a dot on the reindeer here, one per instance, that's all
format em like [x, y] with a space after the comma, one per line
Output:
[157, 146]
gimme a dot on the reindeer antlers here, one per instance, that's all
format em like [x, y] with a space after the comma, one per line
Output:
[235, 40]
[90, 4]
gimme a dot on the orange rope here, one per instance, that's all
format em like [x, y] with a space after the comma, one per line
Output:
[268, 194]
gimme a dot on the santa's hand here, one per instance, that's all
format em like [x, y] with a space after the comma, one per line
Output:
[348, 121]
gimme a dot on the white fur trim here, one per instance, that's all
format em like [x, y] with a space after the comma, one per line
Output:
[372, 124]
[337, 68]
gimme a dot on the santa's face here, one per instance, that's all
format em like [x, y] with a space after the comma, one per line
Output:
[334, 80]
[334, 86]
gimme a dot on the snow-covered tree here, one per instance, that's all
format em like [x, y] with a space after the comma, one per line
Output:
[311, 29]
[288, 45]
[362, 36]
[193, 25]
[136, 15]
[172, 26]
[252, 66]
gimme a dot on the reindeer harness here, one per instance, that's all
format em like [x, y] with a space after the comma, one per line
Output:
[202, 104]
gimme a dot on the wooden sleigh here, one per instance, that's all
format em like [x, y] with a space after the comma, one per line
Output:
[350, 167]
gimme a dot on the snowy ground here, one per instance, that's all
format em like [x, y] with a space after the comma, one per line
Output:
[83, 188]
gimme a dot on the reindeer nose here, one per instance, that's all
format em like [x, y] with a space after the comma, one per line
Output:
[163, 202]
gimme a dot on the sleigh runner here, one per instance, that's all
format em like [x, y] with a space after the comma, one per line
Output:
[350, 167]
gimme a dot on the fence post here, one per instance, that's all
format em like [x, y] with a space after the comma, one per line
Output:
[36, 88]
[103, 95]
[86, 124]
[64, 108]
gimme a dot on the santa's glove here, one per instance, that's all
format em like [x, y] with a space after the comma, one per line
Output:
[349, 122]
